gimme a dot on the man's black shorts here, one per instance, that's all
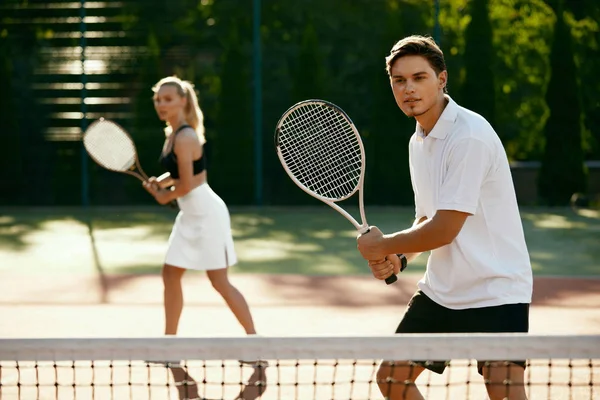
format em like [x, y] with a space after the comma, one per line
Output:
[426, 316]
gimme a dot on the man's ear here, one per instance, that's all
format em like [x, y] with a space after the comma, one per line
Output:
[443, 79]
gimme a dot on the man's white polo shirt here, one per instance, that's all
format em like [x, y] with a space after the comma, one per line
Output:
[461, 165]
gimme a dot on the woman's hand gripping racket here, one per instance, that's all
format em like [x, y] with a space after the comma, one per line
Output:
[112, 148]
[321, 150]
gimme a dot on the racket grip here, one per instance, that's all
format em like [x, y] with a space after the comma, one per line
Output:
[391, 279]
[173, 204]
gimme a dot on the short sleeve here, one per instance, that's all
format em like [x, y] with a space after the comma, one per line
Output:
[466, 168]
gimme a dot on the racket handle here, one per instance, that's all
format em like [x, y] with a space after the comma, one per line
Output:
[173, 204]
[391, 279]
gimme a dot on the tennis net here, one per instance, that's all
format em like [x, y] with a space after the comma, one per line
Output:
[558, 367]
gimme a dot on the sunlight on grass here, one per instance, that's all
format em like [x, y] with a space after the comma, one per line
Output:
[538, 255]
[125, 235]
[252, 220]
[547, 221]
[13, 230]
[66, 244]
[57, 245]
[333, 265]
[5, 220]
[269, 240]
[270, 249]
[352, 234]
[117, 254]
[589, 213]
[325, 234]
[540, 259]
[246, 225]
[64, 226]
[121, 247]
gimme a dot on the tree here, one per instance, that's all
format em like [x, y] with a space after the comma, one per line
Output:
[12, 160]
[387, 130]
[478, 89]
[308, 73]
[230, 152]
[562, 172]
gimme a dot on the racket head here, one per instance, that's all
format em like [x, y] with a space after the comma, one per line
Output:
[321, 150]
[110, 146]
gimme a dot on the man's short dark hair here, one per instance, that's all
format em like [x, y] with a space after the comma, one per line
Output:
[417, 46]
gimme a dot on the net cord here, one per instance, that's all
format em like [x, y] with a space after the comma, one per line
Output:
[495, 346]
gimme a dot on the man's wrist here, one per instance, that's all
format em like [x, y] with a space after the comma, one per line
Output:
[403, 261]
[384, 245]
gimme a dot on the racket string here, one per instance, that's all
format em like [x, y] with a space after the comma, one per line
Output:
[337, 171]
[322, 150]
[332, 180]
[318, 144]
[110, 146]
[342, 173]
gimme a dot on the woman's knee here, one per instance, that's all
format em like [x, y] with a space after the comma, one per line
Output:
[221, 285]
[219, 280]
[171, 274]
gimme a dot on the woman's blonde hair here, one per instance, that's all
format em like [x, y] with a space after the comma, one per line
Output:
[193, 113]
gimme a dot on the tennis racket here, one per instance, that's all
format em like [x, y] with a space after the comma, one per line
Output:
[111, 147]
[321, 150]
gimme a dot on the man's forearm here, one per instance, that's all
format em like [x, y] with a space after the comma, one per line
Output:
[424, 236]
[411, 256]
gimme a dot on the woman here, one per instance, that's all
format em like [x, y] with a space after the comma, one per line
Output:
[201, 237]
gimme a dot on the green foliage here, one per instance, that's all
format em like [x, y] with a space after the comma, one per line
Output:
[331, 49]
[562, 172]
[478, 90]
[28, 163]
[11, 160]
[522, 34]
[387, 130]
[308, 72]
[585, 28]
[231, 156]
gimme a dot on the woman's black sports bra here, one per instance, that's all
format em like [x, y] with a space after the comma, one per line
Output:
[169, 161]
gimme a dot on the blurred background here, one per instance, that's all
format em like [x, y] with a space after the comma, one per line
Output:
[81, 248]
[530, 67]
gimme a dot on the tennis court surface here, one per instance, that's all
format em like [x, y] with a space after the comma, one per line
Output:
[322, 336]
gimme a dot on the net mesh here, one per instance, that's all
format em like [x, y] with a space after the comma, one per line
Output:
[109, 145]
[320, 148]
[558, 367]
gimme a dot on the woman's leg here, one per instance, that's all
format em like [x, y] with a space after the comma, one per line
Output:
[173, 297]
[234, 299]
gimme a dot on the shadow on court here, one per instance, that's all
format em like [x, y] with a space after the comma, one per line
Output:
[113, 255]
[101, 275]
[262, 290]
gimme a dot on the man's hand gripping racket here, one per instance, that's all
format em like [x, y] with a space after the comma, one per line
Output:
[112, 148]
[321, 150]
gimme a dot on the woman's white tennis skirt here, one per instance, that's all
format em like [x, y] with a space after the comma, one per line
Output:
[201, 238]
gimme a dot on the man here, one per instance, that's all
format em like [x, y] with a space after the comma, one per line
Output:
[478, 276]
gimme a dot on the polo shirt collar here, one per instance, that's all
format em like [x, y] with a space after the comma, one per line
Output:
[446, 120]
